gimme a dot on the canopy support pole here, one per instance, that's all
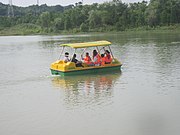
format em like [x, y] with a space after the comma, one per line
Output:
[110, 51]
[98, 50]
[61, 52]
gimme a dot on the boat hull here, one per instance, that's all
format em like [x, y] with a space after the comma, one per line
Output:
[94, 70]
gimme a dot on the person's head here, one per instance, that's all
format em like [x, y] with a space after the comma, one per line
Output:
[66, 54]
[107, 52]
[94, 53]
[102, 55]
[87, 54]
[74, 56]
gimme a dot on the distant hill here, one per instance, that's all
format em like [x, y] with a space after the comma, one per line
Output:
[33, 9]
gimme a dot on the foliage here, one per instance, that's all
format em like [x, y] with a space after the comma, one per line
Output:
[21, 29]
[109, 16]
[84, 27]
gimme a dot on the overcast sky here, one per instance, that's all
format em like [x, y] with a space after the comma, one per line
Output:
[25, 3]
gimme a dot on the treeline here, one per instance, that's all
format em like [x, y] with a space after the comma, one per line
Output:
[109, 16]
[34, 9]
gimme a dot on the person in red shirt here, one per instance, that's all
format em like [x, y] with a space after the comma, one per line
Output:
[108, 58]
[87, 59]
[103, 60]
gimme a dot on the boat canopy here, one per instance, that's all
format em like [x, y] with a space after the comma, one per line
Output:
[88, 44]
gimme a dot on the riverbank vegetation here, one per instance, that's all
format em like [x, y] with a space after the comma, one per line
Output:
[109, 16]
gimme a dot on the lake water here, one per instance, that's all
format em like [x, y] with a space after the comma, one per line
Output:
[142, 99]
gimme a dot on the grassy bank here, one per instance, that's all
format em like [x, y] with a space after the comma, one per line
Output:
[31, 29]
[23, 29]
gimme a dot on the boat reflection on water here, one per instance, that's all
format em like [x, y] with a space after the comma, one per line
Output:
[87, 89]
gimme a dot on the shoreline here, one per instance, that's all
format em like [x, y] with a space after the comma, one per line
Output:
[18, 31]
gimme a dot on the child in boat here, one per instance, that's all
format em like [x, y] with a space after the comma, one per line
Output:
[87, 60]
[66, 58]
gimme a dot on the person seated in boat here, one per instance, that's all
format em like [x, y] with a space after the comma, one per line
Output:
[108, 58]
[87, 59]
[103, 60]
[66, 58]
[78, 63]
[96, 58]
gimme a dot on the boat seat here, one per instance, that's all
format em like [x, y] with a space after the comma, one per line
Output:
[61, 62]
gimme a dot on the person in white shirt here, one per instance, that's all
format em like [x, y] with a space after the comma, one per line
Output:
[66, 58]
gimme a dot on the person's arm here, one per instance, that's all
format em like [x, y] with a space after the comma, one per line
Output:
[65, 60]
[82, 57]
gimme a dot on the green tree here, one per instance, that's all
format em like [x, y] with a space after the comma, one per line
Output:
[94, 19]
[67, 22]
[6, 21]
[84, 27]
[58, 24]
[45, 20]
[152, 13]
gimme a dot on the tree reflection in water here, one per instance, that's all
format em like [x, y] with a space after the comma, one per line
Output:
[88, 89]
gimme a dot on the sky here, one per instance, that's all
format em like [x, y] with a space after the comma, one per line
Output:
[25, 3]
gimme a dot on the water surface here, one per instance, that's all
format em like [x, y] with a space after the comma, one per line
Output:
[142, 99]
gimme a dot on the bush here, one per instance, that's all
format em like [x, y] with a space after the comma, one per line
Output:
[84, 27]
[120, 27]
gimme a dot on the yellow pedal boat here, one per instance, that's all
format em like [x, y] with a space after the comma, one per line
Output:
[60, 67]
